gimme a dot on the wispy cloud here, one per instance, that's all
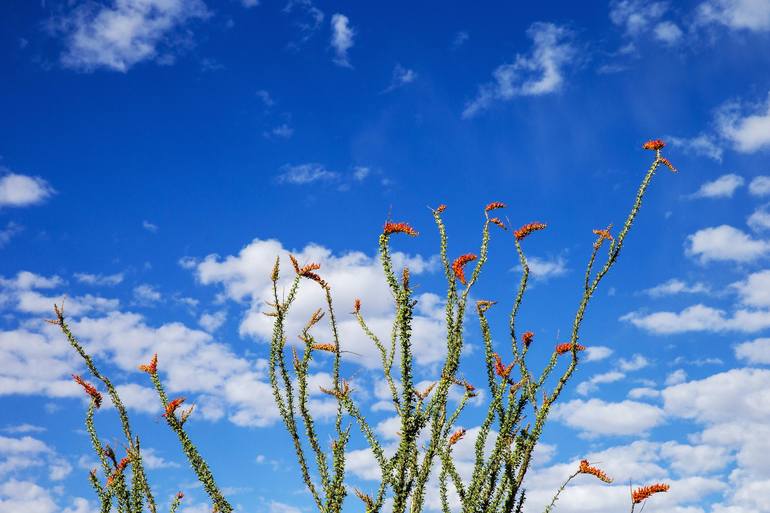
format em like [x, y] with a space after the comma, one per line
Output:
[125, 32]
[342, 39]
[99, 279]
[751, 15]
[675, 286]
[150, 227]
[536, 74]
[461, 37]
[703, 145]
[9, 232]
[401, 77]
[302, 174]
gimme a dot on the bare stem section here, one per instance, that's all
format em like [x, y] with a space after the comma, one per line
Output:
[518, 409]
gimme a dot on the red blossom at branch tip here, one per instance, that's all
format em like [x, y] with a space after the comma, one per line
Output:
[152, 367]
[668, 164]
[500, 369]
[498, 222]
[586, 468]
[90, 390]
[567, 348]
[459, 264]
[440, 208]
[399, 228]
[653, 144]
[527, 229]
[640, 494]
[494, 205]
[173, 405]
[456, 436]
[527, 337]
[357, 306]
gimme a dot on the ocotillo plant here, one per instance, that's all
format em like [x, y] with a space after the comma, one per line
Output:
[132, 496]
[497, 480]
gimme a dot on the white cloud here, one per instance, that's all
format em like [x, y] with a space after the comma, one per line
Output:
[596, 417]
[723, 187]
[284, 131]
[636, 16]
[636, 363]
[26, 496]
[460, 39]
[537, 74]
[342, 39]
[146, 294]
[753, 15]
[700, 318]
[544, 268]
[153, 460]
[21, 190]
[592, 384]
[24, 428]
[755, 289]
[643, 392]
[725, 243]
[676, 377]
[125, 32]
[703, 145]
[150, 227]
[759, 220]
[26, 280]
[748, 129]
[401, 77]
[280, 507]
[302, 174]
[9, 232]
[596, 353]
[760, 186]
[99, 279]
[264, 95]
[675, 286]
[756, 351]
[212, 321]
[668, 32]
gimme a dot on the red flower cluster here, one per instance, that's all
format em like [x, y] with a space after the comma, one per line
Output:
[357, 306]
[640, 494]
[668, 164]
[90, 389]
[527, 337]
[653, 144]
[527, 229]
[456, 436]
[399, 228]
[585, 468]
[152, 367]
[459, 264]
[500, 369]
[440, 208]
[173, 405]
[494, 205]
[567, 348]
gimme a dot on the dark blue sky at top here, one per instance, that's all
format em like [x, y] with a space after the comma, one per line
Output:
[188, 142]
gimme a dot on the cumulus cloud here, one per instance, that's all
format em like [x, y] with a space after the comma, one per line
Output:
[700, 318]
[212, 321]
[725, 243]
[595, 417]
[123, 33]
[755, 352]
[759, 220]
[760, 186]
[675, 286]
[544, 268]
[592, 384]
[146, 294]
[342, 39]
[668, 32]
[596, 353]
[21, 190]
[541, 72]
[752, 15]
[746, 127]
[636, 16]
[723, 187]
[755, 289]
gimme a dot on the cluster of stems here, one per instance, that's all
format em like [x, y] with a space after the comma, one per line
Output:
[126, 485]
[518, 408]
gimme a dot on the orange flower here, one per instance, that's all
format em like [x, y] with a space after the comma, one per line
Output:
[527, 229]
[90, 390]
[179, 496]
[459, 264]
[643, 493]
[122, 464]
[585, 468]
[527, 337]
[399, 228]
[440, 208]
[357, 306]
[456, 436]
[603, 235]
[325, 347]
[173, 405]
[498, 222]
[152, 367]
[494, 205]
[653, 144]
[567, 348]
[667, 163]
[500, 369]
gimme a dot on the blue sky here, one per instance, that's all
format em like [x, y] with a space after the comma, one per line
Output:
[156, 155]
